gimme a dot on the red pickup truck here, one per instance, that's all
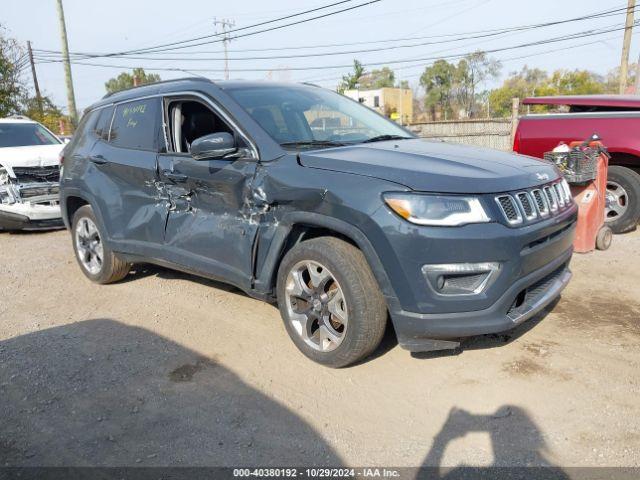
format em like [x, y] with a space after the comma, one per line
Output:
[616, 119]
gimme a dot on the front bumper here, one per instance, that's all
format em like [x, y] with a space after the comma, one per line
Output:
[534, 270]
[525, 299]
[21, 216]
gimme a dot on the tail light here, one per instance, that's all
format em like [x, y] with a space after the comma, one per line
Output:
[516, 142]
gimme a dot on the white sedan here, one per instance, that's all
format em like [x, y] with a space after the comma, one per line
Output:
[29, 175]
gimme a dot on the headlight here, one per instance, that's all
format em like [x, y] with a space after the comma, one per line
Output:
[437, 210]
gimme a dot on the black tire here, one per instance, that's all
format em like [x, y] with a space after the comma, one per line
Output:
[630, 182]
[365, 304]
[112, 268]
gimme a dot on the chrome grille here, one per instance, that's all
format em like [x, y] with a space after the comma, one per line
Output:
[534, 204]
[559, 194]
[551, 199]
[524, 199]
[541, 203]
[509, 209]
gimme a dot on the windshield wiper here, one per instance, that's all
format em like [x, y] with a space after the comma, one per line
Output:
[382, 138]
[313, 143]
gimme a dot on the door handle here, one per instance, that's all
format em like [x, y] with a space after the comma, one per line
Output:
[98, 159]
[174, 176]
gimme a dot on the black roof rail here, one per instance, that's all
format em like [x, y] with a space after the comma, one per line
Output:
[311, 84]
[173, 80]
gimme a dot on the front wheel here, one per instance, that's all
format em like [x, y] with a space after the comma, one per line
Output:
[96, 259]
[330, 302]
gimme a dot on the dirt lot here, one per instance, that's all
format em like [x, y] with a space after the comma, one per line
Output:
[168, 369]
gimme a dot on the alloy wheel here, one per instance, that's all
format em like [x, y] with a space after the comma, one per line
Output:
[316, 306]
[89, 245]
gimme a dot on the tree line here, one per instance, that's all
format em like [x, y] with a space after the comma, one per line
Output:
[452, 91]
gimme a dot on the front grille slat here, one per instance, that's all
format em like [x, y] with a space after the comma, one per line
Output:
[526, 203]
[532, 204]
[553, 204]
[509, 209]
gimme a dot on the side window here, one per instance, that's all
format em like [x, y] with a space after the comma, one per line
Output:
[189, 120]
[104, 123]
[79, 139]
[137, 125]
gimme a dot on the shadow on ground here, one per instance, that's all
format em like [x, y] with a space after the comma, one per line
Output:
[102, 393]
[516, 441]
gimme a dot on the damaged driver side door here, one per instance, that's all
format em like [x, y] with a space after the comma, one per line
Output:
[209, 228]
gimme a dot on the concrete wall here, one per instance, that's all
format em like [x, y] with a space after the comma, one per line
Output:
[491, 133]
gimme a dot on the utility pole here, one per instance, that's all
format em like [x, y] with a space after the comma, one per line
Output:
[35, 78]
[626, 44]
[226, 25]
[71, 98]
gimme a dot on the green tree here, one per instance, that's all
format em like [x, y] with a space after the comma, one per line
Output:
[575, 82]
[612, 79]
[382, 78]
[472, 71]
[536, 82]
[12, 90]
[437, 81]
[350, 80]
[50, 116]
[126, 80]
[526, 83]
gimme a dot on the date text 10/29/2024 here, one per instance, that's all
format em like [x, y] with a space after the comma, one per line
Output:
[316, 472]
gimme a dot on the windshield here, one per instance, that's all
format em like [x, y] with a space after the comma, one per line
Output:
[299, 116]
[25, 134]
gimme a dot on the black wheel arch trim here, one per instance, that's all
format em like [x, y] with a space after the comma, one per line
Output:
[72, 192]
[264, 279]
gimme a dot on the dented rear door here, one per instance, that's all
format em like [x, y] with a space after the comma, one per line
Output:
[209, 227]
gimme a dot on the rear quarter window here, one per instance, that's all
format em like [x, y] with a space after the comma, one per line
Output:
[136, 125]
[103, 123]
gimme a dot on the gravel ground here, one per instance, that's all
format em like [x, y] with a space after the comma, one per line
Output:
[168, 369]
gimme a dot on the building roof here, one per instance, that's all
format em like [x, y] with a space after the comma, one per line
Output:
[624, 101]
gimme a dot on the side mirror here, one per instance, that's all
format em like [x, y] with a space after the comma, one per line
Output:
[212, 146]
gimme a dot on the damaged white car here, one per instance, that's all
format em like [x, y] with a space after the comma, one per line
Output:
[29, 175]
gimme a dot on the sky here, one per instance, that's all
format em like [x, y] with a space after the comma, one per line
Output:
[120, 25]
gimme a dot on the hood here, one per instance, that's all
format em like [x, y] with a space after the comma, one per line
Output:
[435, 166]
[30, 156]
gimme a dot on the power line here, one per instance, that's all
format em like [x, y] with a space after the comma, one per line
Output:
[458, 37]
[577, 35]
[182, 44]
[352, 52]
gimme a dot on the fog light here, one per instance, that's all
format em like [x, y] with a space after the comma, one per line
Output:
[461, 278]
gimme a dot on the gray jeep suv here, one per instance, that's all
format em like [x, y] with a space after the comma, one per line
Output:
[299, 195]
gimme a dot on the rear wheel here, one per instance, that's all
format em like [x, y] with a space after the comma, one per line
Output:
[96, 259]
[622, 209]
[330, 302]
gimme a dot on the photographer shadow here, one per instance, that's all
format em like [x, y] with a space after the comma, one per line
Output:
[519, 448]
